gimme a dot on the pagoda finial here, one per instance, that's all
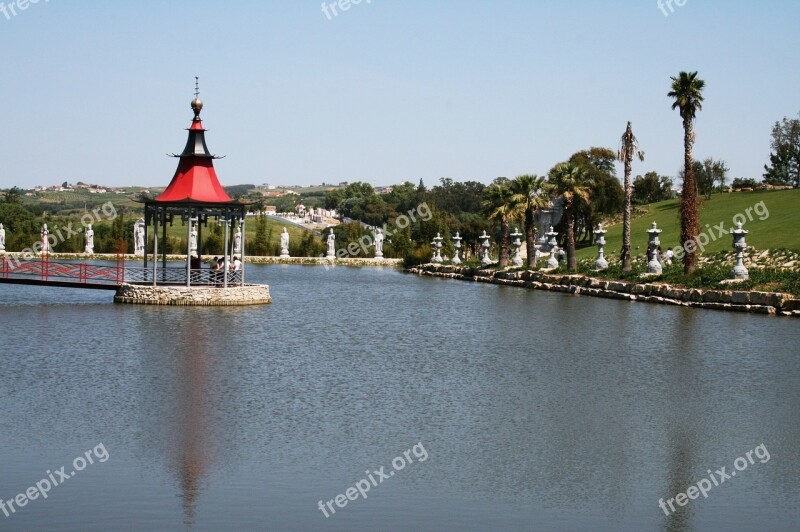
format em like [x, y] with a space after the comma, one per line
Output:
[197, 103]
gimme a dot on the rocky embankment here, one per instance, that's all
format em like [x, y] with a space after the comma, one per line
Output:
[771, 303]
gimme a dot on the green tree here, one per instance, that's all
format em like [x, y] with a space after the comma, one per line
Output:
[213, 242]
[20, 225]
[607, 194]
[310, 245]
[570, 182]
[602, 159]
[628, 146]
[13, 195]
[402, 198]
[260, 240]
[744, 182]
[528, 198]
[710, 176]
[651, 188]
[784, 167]
[687, 93]
[499, 208]
[457, 197]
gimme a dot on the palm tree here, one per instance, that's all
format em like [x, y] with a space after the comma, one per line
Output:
[571, 182]
[687, 90]
[499, 208]
[628, 145]
[527, 197]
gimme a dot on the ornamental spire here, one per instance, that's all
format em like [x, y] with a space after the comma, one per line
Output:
[195, 179]
[197, 103]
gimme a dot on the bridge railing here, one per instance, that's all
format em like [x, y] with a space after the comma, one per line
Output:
[42, 269]
[45, 270]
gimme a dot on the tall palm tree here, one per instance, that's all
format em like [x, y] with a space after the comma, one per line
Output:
[628, 146]
[499, 208]
[570, 181]
[687, 90]
[528, 197]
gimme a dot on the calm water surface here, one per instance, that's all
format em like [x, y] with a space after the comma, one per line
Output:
[537, 411]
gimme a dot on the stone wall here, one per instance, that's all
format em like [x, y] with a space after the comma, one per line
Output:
[135, 262]
[772, 303]
[209, 296]
[322, 261]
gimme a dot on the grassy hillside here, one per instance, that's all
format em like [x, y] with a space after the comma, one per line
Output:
[779, 228]
[274, 230]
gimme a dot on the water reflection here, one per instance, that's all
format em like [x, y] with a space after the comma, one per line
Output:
[186, 361]
[190, 457]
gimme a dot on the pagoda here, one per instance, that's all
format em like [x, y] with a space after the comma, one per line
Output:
[194, 196]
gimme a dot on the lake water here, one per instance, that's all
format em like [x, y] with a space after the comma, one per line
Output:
[516, 410]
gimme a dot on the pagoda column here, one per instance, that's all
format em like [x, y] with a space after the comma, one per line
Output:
[241, 259]
[156, 216]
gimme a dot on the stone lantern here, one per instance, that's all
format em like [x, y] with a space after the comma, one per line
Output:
[457, 245]
[516, 261]
[552, 243]
[654, 266]
[485, 260]
[437, 242]
[739, 271]
[600, 239]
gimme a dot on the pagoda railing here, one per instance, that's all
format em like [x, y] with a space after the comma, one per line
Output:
[177, 276]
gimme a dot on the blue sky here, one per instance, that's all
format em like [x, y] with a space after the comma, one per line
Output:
[385, 91]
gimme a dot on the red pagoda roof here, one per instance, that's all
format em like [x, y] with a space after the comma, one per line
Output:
[195, 179]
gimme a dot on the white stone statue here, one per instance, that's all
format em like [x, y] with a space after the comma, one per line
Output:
[138, 238]
[285, 243]
[2, 239]
[45, 235]
[379, 244]
[237, 241]
[193, 240]
[89, 234]
[331, 244]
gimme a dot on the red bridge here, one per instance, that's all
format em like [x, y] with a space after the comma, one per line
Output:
[43, 272]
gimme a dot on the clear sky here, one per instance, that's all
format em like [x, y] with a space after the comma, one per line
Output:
[386, 91]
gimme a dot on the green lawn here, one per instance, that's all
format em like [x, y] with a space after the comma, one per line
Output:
[295, 233]
[773, 222]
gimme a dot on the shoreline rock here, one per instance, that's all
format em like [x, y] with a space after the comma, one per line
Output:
[769, 303]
